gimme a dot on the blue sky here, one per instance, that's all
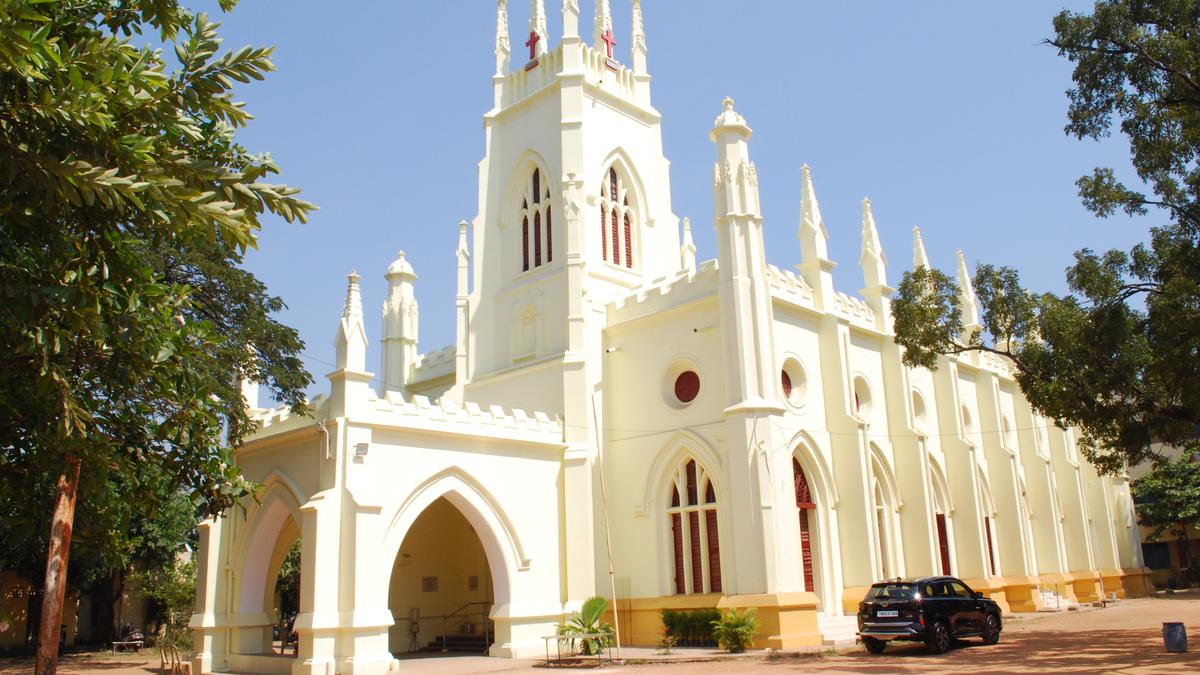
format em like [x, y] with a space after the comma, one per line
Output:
[948, 115]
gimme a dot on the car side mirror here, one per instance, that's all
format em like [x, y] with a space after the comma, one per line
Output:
[978, 595]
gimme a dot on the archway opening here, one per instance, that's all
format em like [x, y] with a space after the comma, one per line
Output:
[286, 602]
[273, 535]
[441, 590]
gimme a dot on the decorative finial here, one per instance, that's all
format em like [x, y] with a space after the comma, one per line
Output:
[353, 308]
[603, 24]
[727, 103]
[502, 46]
[639, 29]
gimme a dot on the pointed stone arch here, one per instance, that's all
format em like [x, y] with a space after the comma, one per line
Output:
[266, 521]
[501, 541]
[816, 469]
[880, 463]
[682, 444]
[937, 480]
[620, 158]
[514, 188]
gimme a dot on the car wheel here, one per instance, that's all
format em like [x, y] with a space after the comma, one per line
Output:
[991, 630]
[939, 638]
[874, 646]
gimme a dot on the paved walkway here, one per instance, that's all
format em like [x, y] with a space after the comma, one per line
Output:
[1123, 638]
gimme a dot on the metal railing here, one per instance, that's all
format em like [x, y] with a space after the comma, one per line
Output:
[464, 614]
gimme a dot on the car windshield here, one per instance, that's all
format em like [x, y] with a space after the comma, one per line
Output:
[894, 591]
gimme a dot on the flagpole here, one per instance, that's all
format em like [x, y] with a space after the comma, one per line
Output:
[612, 584]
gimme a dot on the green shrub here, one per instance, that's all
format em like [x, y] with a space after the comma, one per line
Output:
[735, 629]
[587, 620]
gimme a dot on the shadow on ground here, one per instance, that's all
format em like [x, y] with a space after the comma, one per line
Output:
[1044, 651]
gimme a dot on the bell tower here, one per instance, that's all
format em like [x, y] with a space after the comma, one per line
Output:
[574, 195]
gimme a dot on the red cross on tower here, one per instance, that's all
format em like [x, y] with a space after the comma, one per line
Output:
[534, 38]
[609, 40]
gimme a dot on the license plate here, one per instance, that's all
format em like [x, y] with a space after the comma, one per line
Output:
[887, 613]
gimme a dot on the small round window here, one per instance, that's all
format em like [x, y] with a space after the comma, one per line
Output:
[687, 386]
[862, 398]
[793, 382]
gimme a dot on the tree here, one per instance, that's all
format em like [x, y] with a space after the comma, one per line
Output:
[1119, 356]
[1168, 499]
[126, 204]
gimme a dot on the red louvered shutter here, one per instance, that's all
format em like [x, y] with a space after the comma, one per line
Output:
[537, 240]
[628, 242]
[714, 551]
[524, 244]
[677, 535]
[549, 238]
[616, 239]
[603, 234]
[697, 564]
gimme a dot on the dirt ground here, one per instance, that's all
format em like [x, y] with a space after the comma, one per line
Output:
[1123, 638]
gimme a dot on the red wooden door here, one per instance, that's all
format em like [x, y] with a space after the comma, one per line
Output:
[805, 503]
[943, 543]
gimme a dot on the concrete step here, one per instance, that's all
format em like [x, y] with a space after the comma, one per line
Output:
[838, 631]
[465, 642]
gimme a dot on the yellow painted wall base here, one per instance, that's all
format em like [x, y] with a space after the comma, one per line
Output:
[1062, 583]
[785, 620]
[1021, 594]
[1136, 582]
[1087, 586]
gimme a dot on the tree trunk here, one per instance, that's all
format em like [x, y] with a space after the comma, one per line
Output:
[56, 570]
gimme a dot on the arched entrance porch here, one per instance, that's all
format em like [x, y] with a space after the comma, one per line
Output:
[258, 627]
[440, 591]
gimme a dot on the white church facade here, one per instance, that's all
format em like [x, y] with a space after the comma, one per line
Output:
[742, 435]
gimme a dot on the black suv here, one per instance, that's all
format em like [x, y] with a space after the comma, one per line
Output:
[933, 610]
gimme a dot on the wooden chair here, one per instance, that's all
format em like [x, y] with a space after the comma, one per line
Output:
[164, 662]
[178, 665]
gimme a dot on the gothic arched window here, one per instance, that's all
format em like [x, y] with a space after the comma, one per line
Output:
[535, 212]
[696, 547]
[616, 220]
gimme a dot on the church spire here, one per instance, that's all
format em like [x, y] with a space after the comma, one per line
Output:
[967, 301]
[874, 265]
[462, 311]
[503, 50]
[815, 265]
[687, 252]
[537, 29]
[638, 40]
[570, 12]
[872, 259]
[920, 259]
[602, 37]
[351, 341]
[398, 350]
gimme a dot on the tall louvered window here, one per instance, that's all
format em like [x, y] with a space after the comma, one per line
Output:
[535, 214]
[616, 220]
[695, 539]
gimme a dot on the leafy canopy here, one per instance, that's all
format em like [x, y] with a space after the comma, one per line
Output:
[126, 205]
[1119, 355]
[1168, 497]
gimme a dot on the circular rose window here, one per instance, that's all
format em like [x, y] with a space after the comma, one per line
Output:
[687, 386]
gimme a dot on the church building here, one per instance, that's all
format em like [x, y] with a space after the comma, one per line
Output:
[736, 434]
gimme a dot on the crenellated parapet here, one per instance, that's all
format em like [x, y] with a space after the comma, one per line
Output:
[421, 413]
